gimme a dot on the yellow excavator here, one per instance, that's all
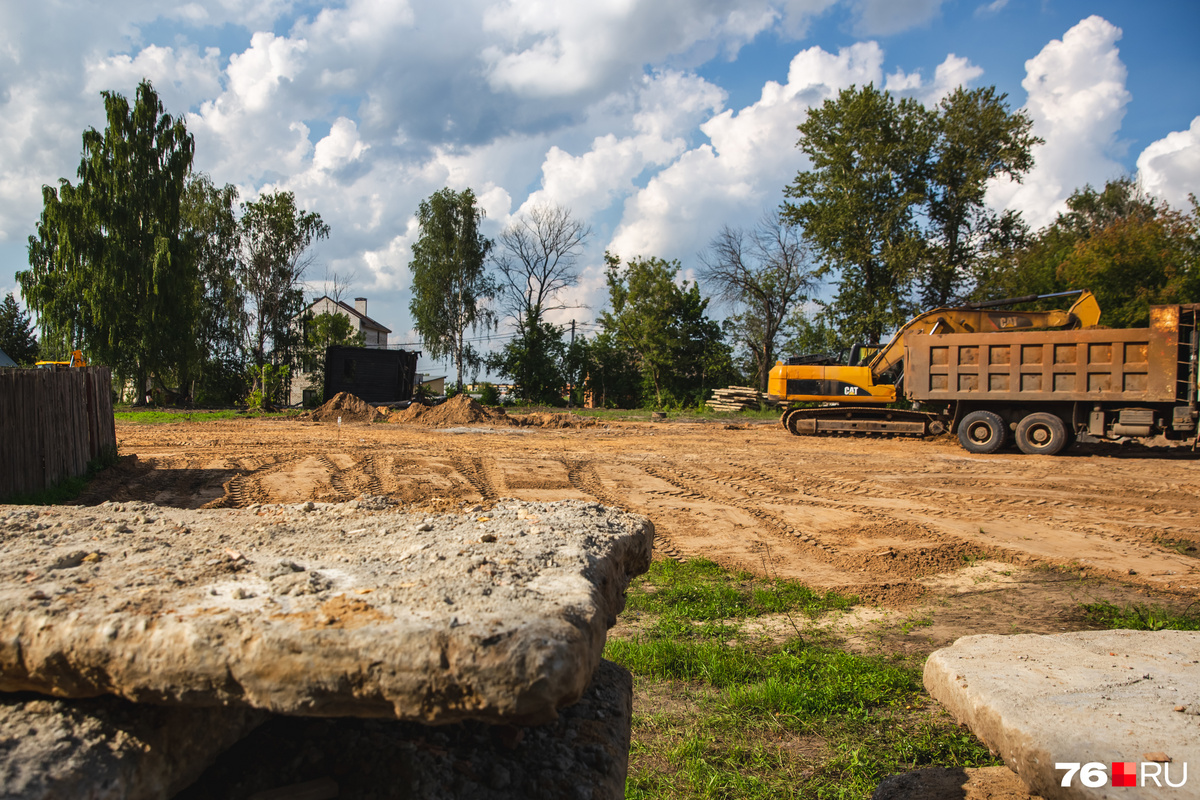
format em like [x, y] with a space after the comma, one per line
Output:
[75, 362]
[855, 396]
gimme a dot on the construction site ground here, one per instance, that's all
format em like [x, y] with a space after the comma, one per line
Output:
[938, 543]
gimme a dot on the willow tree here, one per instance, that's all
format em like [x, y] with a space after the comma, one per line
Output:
[109, 271]
[451, 287]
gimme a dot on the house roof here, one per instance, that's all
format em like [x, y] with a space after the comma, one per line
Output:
[351, 310]
[5, 361]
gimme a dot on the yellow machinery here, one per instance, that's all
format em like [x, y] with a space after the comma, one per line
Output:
[873, 379]
[76, 361]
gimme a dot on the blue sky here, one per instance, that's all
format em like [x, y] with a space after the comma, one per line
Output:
[655, 121]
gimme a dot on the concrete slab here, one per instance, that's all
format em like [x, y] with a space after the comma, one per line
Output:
[106, 748]
[1103, 697]
[581, 756]
[325, 610]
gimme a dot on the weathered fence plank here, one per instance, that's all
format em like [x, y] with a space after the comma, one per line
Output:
[52, 424]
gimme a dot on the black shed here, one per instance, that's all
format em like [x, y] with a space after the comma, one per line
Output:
[374, 375]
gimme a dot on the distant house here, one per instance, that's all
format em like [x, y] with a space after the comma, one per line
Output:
[5, 361]
[375, 335]
[433, 386]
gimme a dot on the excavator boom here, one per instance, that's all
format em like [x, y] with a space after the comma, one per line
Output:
[982, 318]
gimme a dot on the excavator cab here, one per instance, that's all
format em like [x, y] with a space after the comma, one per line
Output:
[861, 354]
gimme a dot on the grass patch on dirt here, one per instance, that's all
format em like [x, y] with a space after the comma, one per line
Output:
[720, 712]
[1141, 617]
[702, 590]
[156, 417]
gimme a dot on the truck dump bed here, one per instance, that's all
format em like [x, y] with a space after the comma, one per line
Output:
[1132, 365]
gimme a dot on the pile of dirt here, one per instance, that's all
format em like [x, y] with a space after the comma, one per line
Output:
[347, 406]
[459, 411]
[550, 420]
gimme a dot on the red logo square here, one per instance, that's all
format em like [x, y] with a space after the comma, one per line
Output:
[1124, 773]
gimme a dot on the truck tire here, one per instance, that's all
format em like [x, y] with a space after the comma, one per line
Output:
[982, 432]
[1042, 434]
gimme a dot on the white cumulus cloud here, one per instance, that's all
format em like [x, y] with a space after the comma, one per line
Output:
[1170, 167]
[1077, 99]
[750, 156]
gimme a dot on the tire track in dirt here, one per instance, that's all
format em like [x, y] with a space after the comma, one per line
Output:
[472, 468]
[337, 479]
[583, 477]
[373, 482]
[930, 550]
[688, 486]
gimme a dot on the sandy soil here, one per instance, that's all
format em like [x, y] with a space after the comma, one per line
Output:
[896, 521]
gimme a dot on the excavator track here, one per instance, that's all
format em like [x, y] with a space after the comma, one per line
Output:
[861, 421]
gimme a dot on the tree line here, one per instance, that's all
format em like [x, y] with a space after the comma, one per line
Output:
[891, 216]
[155, 271]
[658, 346]
[163, 275]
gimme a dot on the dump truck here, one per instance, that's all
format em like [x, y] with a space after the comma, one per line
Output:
[856, 395]
[1038, 389]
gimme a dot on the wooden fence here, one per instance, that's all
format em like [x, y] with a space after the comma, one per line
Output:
[52, 423]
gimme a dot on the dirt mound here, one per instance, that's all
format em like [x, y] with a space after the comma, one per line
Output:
[458, 411]
[347, 406]
[550, 420]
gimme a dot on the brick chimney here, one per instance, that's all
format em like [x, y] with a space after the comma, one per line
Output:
[360, 305]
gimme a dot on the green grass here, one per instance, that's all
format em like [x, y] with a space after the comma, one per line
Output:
[155, 417]
[1139, 617]
[702, 590]
[764, 718]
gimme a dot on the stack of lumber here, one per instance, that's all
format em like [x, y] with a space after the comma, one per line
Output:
[735, 398]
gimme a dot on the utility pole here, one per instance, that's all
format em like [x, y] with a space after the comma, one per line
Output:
[571, 384]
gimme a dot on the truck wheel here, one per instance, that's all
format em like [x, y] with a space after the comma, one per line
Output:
[1042, 434]
[982, 432]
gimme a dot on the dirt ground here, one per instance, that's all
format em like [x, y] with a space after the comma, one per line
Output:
[938, 541]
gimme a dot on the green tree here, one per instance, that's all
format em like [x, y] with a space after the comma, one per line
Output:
[858, 203]
[537, 258]
[213, 237]
[611, 371]
[809, 332]
[450, 286]
[534, 360]
[17, 338]
[275, 239]
[1130, 249]
[976, 138]
[679, 350]
[320, 333]
[108, 270]
[761, 274]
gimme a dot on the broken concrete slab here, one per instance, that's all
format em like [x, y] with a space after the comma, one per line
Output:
[1075, 698]
[959, 783]
[324, 610]
[106, 748]
[584, 755]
